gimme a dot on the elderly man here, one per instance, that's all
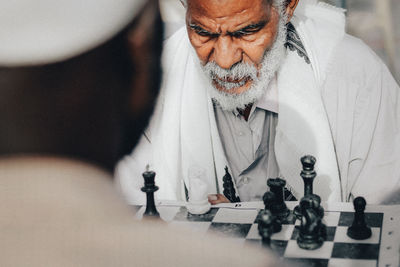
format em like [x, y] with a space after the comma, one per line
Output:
[78, 79]
[254, 86]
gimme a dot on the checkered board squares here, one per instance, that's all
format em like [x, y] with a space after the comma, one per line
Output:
[241, 226]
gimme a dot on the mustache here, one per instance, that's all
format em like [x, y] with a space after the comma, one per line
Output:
[231, 78]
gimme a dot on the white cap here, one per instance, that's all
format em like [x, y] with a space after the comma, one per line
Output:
[34, 32]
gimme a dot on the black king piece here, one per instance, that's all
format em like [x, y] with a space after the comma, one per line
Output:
[149, 188]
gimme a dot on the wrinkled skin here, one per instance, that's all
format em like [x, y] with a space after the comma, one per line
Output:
[228, 32]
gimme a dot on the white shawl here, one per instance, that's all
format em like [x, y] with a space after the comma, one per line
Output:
[183, 132]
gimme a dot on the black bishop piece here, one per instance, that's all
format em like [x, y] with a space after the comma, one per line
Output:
[149, 188]
[229, 189]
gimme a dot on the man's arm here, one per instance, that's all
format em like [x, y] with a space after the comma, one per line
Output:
[377, 123]
[362, 102]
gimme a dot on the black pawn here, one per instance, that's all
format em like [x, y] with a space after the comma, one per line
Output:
[278, 206]
[229, 189]
[265, 227]
[269, 198]
[149, 188]
[359, 229]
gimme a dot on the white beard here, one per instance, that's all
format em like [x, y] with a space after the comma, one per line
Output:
[271, 62]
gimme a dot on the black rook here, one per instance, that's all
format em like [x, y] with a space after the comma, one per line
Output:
[278, 207]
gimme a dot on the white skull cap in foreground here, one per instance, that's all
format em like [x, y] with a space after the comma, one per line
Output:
[47, 31]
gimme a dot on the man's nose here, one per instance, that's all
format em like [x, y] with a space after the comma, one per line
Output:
[226, 52]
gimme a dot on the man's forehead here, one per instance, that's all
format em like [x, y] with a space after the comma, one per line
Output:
[227, 9]
[213, 6]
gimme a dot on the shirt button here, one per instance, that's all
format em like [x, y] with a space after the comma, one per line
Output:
[246, 180]
[240, 133]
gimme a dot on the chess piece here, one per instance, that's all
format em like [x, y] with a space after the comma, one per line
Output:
[149, 188]
[266, 227]
[198, 200]
[269, 199]
[278, 206]
[314, 201]
[308, 175]
[359, 229]
[312, 232]
[229, 189]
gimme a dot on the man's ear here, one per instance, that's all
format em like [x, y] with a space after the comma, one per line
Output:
[290, 7]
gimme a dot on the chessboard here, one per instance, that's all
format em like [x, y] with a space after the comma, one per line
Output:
[238, 222]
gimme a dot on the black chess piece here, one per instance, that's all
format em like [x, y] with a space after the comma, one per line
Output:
[359, 229]
[278, 206]
[229, 189]
[312, 232]
[149, 188]
[308, 175]
[314, 201]
[269, 198]
[266, 227]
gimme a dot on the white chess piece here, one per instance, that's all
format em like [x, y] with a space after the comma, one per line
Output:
[198, 195]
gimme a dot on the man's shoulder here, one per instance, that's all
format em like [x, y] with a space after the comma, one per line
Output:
[356, 59]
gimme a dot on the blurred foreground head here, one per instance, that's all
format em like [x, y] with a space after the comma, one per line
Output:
[77, 78]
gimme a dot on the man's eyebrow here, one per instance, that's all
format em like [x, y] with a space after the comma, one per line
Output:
[250, 28]
[202, 31]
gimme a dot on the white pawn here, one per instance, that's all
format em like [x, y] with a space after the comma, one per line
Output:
[198, 192]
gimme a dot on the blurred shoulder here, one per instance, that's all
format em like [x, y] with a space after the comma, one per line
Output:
[353, 57]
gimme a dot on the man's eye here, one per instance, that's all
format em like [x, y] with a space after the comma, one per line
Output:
[203, 33]
[249, 30]
[200, 31]
[241, 33]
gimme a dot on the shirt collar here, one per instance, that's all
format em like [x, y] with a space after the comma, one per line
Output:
[269, 101]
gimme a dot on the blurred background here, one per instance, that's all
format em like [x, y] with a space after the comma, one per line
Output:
[376, 22]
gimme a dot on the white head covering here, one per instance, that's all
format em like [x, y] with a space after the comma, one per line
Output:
[46, 31]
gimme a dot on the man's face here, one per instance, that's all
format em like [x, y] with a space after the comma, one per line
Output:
[230, 32]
